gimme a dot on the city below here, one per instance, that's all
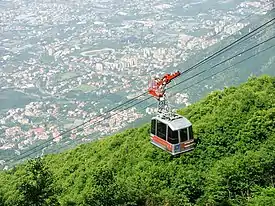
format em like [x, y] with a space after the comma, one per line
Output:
[65, 63]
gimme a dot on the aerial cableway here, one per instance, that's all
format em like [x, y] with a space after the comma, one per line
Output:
[169, 131]
[132, 102]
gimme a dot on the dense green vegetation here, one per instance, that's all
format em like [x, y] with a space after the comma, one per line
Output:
[233, 163]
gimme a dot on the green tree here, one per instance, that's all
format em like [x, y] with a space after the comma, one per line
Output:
[266, 197]
[2, 201]
[105, 189]
[37, 186]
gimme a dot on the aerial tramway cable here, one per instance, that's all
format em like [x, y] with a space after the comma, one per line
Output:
[104, 118]
[197, 82]
[221, 51]
[135, 98]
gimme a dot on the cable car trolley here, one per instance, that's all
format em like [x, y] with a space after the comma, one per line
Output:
[169, 131]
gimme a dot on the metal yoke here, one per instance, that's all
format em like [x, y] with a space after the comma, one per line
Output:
[157, 90]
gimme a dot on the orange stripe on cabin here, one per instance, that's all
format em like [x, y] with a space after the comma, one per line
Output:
[162, 142]
[186, 144]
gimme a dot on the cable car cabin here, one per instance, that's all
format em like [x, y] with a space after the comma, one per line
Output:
[174, 136]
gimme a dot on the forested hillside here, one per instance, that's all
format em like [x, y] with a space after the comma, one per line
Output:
[233, 163]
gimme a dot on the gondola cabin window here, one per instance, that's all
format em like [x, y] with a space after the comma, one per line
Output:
[190, 129]
[161, 130]
[153, 127]
[173, 136]
[183, 135]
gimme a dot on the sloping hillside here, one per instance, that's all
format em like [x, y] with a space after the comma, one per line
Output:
[233, 163]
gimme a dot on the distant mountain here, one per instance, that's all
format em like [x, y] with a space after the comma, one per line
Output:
[232, 164]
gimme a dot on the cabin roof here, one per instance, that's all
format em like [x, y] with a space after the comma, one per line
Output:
[175, 124]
